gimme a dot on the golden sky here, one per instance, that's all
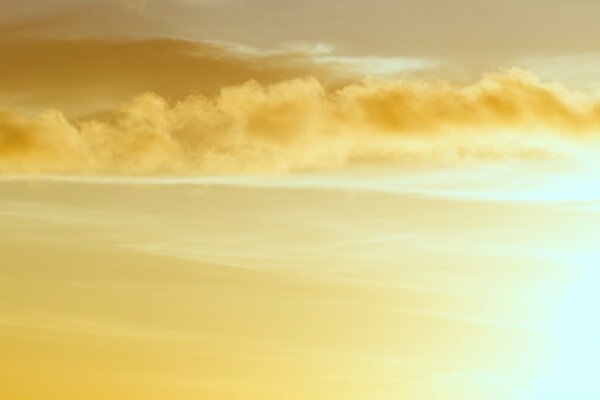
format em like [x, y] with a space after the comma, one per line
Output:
[234, 199]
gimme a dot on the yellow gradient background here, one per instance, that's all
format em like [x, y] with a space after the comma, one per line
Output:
[257, 290]
[299, 200]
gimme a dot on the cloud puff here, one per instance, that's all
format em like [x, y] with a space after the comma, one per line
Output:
[301, 125]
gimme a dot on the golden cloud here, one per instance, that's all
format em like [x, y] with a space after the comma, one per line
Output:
[300, 125]
[87, 76]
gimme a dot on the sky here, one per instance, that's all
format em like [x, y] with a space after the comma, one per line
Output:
[237, 199]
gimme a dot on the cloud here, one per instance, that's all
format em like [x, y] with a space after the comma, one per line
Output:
[87, 76]
[299, 125]
[75, 18]
[31, 24]
[137, 5]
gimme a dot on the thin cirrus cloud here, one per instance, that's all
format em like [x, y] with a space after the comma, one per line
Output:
[382, 33]
[86, 76]
[300, 125]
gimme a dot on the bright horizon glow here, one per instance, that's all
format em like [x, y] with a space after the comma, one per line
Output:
[575, 351]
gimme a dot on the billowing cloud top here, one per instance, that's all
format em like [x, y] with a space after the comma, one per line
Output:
[299, 124]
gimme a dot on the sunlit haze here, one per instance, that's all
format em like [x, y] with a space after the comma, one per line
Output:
[266, 200]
